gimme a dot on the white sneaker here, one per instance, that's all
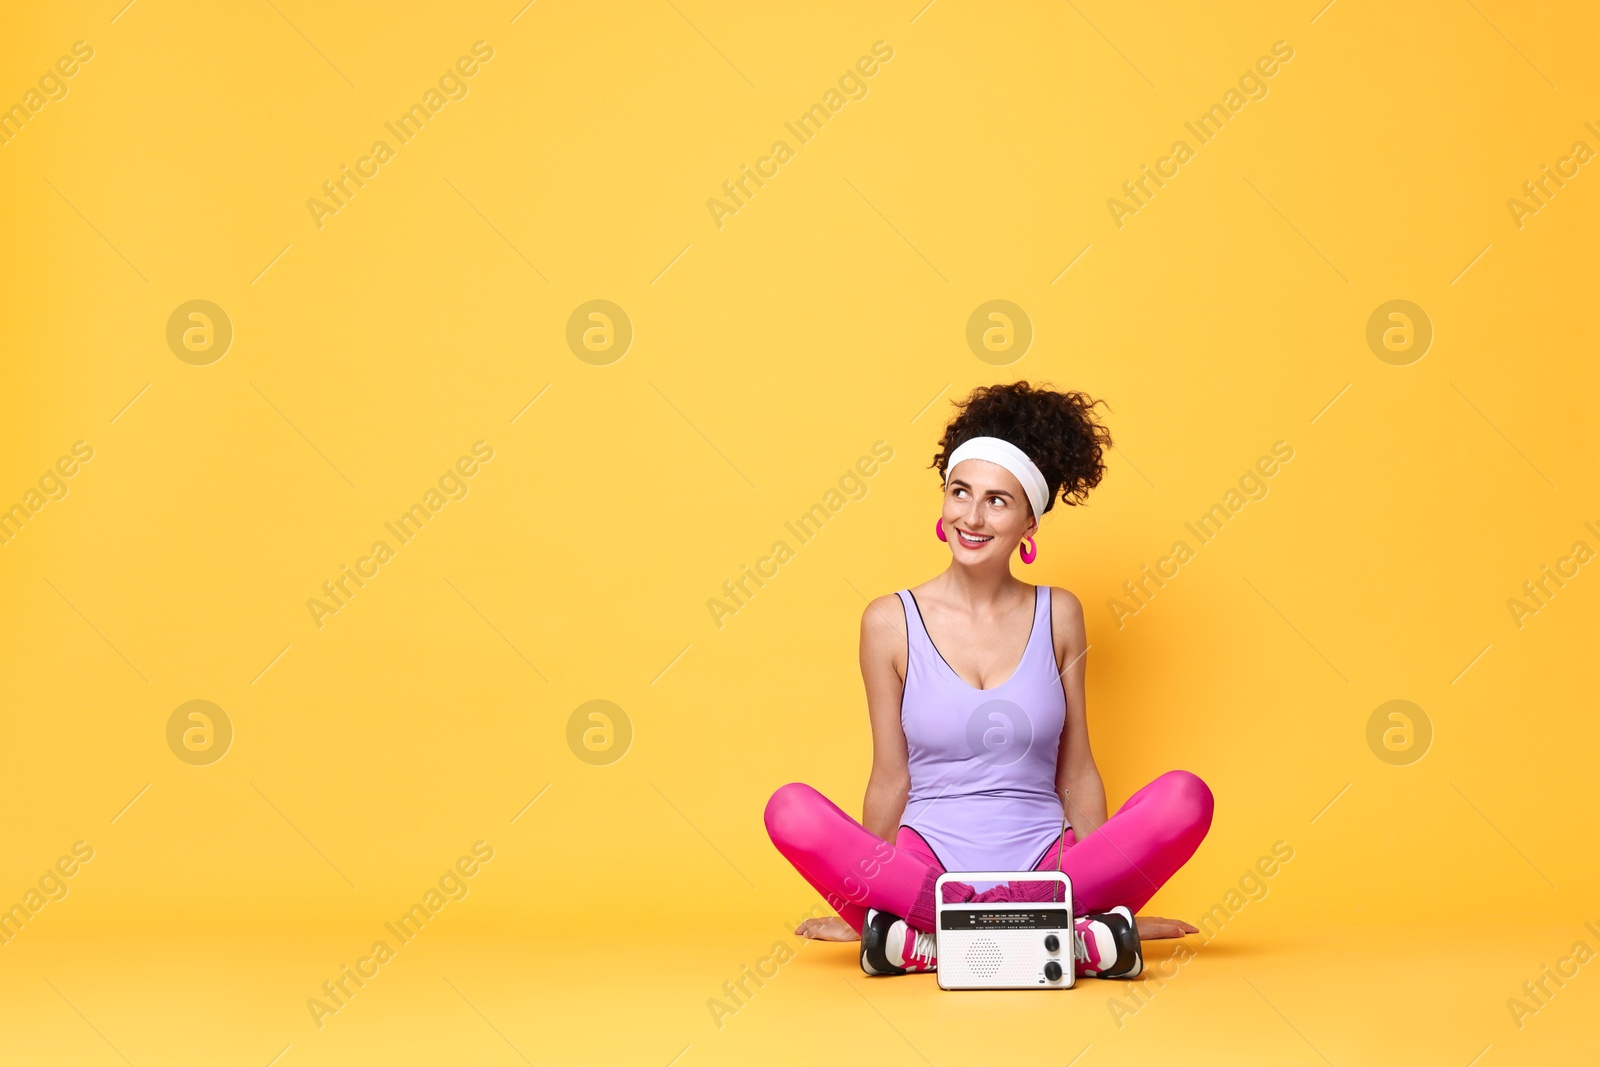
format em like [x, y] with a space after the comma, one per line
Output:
[890, 946]
[1106, 944]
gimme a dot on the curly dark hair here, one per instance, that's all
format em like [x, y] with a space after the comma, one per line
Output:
[1056, 429]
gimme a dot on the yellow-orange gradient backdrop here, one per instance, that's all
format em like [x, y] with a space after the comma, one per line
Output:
[397, 380]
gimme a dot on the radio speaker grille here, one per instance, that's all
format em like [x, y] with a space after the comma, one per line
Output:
[984, 957]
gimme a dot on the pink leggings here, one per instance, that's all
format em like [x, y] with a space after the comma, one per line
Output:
[1123, 862]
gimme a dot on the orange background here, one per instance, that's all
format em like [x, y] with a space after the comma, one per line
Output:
[767, 355]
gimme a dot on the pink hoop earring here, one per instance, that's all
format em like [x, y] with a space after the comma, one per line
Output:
[1030, 551]
[938, 528]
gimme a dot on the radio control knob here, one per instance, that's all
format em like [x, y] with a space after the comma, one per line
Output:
[1052, 970]
[1052, 942]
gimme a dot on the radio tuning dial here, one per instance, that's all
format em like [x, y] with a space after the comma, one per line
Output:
[1051, 942]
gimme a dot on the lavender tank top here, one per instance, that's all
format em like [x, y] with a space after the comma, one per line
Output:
[983, 761]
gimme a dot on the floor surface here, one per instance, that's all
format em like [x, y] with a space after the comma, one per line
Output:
[1330, 996]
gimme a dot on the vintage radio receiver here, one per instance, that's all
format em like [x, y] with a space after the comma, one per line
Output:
[1005, 945]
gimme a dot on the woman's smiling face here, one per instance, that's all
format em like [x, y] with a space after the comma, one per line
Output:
[984, 500]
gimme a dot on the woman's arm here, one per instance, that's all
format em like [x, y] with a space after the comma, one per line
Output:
[883, 633]
[1077, 777]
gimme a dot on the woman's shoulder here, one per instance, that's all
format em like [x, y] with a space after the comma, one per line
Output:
[884, 619]
[1064, 600]
[1066, 620]
[886, 634]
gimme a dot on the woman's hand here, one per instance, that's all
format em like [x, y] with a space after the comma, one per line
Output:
[1153, 927]
[831, 928]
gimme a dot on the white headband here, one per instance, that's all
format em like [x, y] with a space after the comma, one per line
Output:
[1013, 459]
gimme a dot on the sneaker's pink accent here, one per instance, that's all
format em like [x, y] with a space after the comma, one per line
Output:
[1091, 953]
[917, 949]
